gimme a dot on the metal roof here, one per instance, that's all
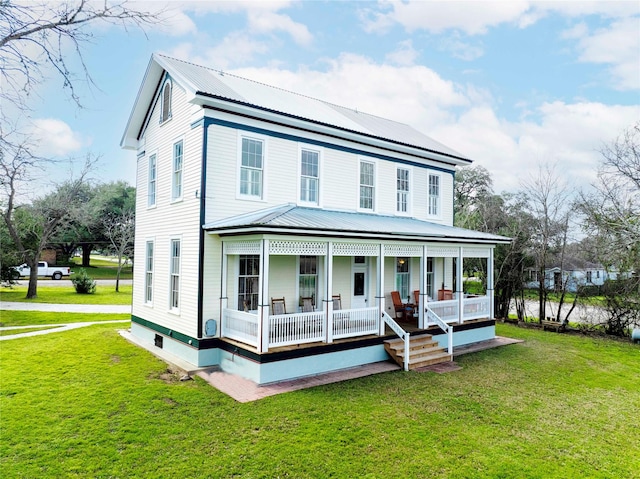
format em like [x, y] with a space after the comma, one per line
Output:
[297, 219]
[216, 84]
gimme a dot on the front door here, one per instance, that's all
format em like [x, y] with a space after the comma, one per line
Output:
[360, 282]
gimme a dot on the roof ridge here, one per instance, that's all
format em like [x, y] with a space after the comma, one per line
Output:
[223, 73]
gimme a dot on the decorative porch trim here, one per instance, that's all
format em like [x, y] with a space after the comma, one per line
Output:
[443, 252]
[356, 249]
[474, 252]
[298, 248]
[242, 247]
[403, 250]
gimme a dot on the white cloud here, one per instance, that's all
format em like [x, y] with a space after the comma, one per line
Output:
[54, 137]
[404, 55]
[618, 45]
[459, 49]
[470, 17]
[267, 22]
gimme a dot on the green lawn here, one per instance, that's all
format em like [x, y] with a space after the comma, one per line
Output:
[86, 403]
[102, 269]
[68, 295]
[28, 318]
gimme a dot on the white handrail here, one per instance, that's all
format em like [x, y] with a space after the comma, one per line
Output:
[404, 335]
[433, 317]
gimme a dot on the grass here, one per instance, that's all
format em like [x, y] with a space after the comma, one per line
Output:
[97, 406]
[67, 295]
[28, 318]
[24, 330]
[102, 269]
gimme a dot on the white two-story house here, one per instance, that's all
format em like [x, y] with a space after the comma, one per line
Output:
[272, 229]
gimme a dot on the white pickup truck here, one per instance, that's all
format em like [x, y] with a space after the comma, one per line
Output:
[54, 272]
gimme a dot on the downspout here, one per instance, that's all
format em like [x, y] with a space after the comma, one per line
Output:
[203, 197]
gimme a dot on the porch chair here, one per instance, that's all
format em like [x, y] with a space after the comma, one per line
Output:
[337, 301]
[445, 294]
[402, 309]
[307, 304]
[278, 306]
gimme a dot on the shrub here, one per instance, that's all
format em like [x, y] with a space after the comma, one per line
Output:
[83, 283]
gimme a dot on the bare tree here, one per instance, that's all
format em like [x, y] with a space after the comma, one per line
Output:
[30, 226]
[549, 205]
[612, 220]
[53, 34]
[120, 230]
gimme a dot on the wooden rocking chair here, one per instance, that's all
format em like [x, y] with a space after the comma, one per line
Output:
[278, 306]
[307, 304]
[337, 302]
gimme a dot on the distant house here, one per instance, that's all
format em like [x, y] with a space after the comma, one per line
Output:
[570, 275]
[271, 229]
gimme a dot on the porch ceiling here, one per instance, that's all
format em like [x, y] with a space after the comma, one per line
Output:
[292, 219]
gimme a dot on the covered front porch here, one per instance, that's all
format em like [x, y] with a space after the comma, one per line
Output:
[280, 291]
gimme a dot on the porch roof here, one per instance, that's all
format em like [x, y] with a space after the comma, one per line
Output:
[293, 219]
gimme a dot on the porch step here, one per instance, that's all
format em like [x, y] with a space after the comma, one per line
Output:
[424, 351]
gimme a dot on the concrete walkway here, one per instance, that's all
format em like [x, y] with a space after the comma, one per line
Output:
[59, 308]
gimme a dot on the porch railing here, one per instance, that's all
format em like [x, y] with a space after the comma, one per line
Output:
[432, 317]
[296, 328]
[475, 308]
[355, 322]
[402, 334]
[447, 311]
[240, 326]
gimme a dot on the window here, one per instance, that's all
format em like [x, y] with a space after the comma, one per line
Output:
[308, 277]
[176, 192]
[309, 172]
[598, 274]
[434, 195]
[430, 278]
[174, 272]
[402, 190]
[402, 277]
[367, 188]
[165, 113]
[148, 277]
[248, 280]
[589, 276]
[252, 167]
[151, 187]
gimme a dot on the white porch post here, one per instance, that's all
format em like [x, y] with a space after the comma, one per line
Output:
[422, 302]
[328, 296]
[380, 288]
[490, 281]
[224, 300]
[263, 299]
[459, 285]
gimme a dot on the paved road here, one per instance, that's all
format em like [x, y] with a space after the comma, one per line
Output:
[67, 282]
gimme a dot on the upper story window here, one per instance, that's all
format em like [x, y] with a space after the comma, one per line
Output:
[402, 190]
[165, 106]
[252, 167]
[434, 195]
[309, 176]
[176, 182]
[367, 185]
[151, 185]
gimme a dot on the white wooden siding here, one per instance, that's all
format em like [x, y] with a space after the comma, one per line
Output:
[169, 219]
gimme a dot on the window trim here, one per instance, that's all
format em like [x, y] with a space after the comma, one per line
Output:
[239, 166]
[408, 192]
[438, 214]
[149, 273]
[168, 83]
[153, 155]
[407, 261]
[374, 163]
[176, 198]
[175, 309]
[305, 147]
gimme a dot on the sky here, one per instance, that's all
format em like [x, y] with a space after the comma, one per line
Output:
[514, 85]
